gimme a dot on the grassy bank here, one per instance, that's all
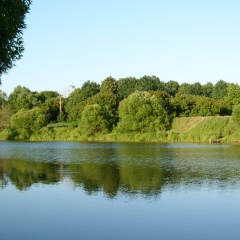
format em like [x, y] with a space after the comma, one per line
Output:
[187, 129]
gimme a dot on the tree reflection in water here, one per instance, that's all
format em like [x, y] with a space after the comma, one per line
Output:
[147, 177]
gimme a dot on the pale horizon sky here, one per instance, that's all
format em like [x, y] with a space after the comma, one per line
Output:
[70, 42]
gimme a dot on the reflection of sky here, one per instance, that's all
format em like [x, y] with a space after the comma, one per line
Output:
[196, 196]
[60, 212]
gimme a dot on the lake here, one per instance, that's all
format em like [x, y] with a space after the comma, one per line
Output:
[72, 190]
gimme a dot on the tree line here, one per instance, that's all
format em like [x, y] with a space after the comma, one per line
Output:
[125, 105]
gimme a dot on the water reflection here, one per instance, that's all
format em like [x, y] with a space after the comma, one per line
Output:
[120, 168]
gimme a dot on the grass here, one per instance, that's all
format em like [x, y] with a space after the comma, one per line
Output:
[186, 129]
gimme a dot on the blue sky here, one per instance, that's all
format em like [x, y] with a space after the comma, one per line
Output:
[70, 42]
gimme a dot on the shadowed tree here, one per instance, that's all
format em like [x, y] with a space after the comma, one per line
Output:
[207, 89]
[219, 90]
[94, 120]
[126, 86]
[12, 24]
[172, 87]
[147, 83]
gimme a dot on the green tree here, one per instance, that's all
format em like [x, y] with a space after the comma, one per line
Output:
[236, 114]
[73, 105]
[142, 112]
[126, 86]
[108, 102]
[220, 90]
[94, 120]
[233, 91]
[223, 107]
[109, 85]
[147, 83]
[12, 24]
[164, 99]
[45, 95]
[207, 90]
[183, 104]
[203, 106]
[51, 108]
[190, 89]
[89, 89]
[172, 87]
[5, 116]
[3, 98]
[21, 98]
[75, 102]
[25, 122]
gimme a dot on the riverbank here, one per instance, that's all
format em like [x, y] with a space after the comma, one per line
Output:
[186, 129]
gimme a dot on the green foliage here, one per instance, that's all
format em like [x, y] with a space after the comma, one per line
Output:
[204, 106]
[147, 83]
[12, 23]
[190, 89]
[21, 98]
[126, 86]
[73, 105]
[236, 114]
[24, 173]
[233, 91]
[108, 102]
[109, 85]
[172, 87]
[164, 99]
[45, 95]
[186, 105]
[219, 90]
[142, 112]
[94, 120]
[89, 89]
[75, 102]
[207, 90]
[223, 107]
[3, 98]
[51, 109]
[25, 122]
[5, 116]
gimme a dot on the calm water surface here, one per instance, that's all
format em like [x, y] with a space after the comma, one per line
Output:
[70, 190]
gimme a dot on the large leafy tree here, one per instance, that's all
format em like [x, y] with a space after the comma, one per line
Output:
[12, 24]
[89, 89]
[142, 112]
[147, 83]
[220, 90]
[108, 102]
[25, 122]
[172, 87]
[94, 120]
[22, 97]
[109, 85]
[207, 89]
[233, 91]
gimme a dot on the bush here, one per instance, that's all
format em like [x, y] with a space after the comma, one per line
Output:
[142, 112]
[236, 114]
